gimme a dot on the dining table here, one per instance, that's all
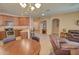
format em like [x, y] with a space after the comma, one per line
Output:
[21, 47]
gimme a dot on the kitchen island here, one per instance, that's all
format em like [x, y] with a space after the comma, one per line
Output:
[17, 31]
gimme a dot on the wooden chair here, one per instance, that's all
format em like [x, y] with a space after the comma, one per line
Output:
[35, 38]
[9, 39]
[56, 46]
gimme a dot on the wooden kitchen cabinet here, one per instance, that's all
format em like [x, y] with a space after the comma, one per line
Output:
[5, 18]
[2, 35]
[23, 21]
[24, 34]
[16, 21]
[17, 33]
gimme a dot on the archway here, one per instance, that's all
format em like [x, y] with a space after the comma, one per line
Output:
[55, 26]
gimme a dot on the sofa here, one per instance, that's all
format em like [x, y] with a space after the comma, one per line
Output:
[73, 35]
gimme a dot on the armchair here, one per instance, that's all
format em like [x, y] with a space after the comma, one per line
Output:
[56, 46]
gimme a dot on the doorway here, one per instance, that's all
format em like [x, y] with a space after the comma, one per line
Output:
[55, 26]
[44, 27]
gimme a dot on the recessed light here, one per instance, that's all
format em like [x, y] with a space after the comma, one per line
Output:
[43, 14]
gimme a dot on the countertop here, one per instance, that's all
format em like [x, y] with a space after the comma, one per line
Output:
[2, 28]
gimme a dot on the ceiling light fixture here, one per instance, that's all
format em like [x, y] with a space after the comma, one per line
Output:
[43, 14]
[23, 5]
[30, 6]
[37, 5]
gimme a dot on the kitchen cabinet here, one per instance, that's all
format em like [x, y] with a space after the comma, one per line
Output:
[2, 35]
[1, 21]
[5, 18]
[17, 33]
[16, 21]
[23, 21]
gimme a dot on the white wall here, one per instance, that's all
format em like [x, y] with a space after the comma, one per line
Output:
[67, 21]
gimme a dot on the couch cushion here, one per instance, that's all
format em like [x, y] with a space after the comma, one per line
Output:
[73, 35]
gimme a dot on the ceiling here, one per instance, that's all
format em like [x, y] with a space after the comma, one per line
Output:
[46, 8]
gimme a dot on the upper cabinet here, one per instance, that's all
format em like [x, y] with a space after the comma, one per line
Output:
[23, 21]
[1, 22]
[17, 21]
[5, 18]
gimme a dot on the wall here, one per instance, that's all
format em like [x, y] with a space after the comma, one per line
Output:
[36, 23]
[67, 21]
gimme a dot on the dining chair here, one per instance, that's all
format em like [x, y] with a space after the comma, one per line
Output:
[56, 46]
[35, 38]
[9, 39]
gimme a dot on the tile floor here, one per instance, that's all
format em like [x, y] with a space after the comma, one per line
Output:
[46, 46]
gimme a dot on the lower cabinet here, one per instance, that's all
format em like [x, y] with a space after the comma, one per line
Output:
[17, 33]
[2, 35]
[24, 35]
